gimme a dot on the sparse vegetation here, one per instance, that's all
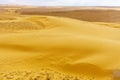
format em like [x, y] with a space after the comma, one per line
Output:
[44, 74]
[12, 11]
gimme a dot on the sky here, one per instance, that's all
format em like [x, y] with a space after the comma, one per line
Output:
[63, 2]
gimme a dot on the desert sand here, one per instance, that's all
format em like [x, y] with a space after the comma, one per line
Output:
[67, 48]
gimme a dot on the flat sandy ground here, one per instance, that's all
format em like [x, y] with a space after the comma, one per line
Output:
[36, 47]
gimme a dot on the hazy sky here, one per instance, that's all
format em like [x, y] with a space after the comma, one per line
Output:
[64, 2]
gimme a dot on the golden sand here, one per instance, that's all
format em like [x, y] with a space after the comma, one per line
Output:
[69, 47]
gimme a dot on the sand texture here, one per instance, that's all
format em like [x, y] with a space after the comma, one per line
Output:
[42, 47]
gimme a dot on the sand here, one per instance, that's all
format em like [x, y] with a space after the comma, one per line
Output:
[67, 46]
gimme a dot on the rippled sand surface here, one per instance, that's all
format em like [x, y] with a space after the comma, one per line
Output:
[63, 47]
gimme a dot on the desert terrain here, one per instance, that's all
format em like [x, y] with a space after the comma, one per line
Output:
[59, 45]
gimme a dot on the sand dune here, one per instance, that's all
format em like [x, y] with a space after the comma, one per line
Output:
[65, 45]
[114, 25]
[88, 13]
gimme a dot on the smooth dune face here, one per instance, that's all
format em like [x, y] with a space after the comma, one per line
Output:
[65, 45]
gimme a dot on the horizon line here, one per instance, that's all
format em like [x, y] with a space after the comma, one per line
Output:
[64, 5]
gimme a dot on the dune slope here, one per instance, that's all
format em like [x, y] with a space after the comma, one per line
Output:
[67, 45]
